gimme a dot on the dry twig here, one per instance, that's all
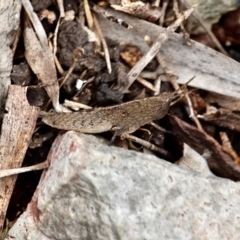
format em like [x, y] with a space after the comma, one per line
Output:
[75, 105]
[104, 44]
[14, 171]
[184, 31]
[146, 84]
[162, 38]
[164, 8]
[56, 61]
[157, 85]
[88, 14]
[207, 29]
[61, 8]
[146, 144]
[77, 53]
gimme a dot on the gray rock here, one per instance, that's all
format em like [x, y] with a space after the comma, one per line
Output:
[93, 191]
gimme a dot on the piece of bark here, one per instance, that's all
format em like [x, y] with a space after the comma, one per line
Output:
[9, 18]
[219, 162]
[18, 125]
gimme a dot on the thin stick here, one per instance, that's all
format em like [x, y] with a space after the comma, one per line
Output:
[159, 57]
[207, 29]
[58, 65]
[152, 75]
[157, 85]
[192, 115]
[157, 82]
[75, 105]
[88, 14]
[76, 54]
[164, 8]
[104, 44]
[159, 128]
[61, 8]
[62, 15]
[55, 37]
[9, 172]
[184, 31]
[146, 144]
[146, 84]
[162, 38]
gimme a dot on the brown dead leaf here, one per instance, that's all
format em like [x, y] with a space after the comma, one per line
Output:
[39, 56]
[41, 61]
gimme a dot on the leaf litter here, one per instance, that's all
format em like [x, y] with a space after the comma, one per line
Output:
[111, 75]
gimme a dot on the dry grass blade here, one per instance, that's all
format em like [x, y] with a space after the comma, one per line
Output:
[17, 129]
[104, 43]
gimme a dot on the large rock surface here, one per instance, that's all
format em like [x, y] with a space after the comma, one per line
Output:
[93, 191]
